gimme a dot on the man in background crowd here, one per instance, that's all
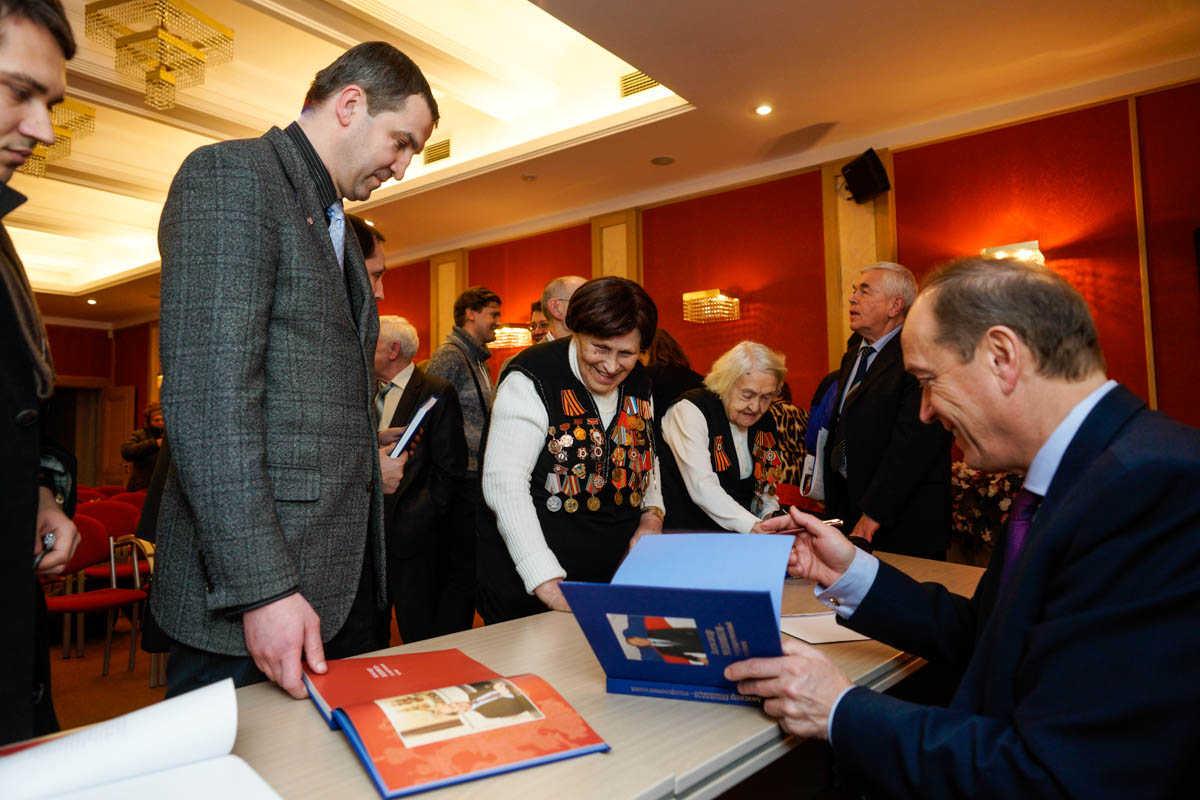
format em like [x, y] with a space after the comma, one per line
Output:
[1075, 649]
[37, 491]
[555, 298]
[370, 241]
[539, 326]
[270, 542]
[430, 553]
[141, 448]
[887, 472]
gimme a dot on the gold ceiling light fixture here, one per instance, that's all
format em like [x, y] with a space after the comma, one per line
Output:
[511, 334]
[70, 119]
[710, 305]
[171, 54]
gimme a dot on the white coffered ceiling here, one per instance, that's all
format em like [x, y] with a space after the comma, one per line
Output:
[530, 89]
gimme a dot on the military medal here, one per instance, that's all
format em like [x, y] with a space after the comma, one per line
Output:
[554, 503]
[580, 433]
[565, 440]
[618, 456]
[579, 470]
[571, 489]
[553, 446]
[581, 453]
[597, 452]
[635, 499]
[554, 485]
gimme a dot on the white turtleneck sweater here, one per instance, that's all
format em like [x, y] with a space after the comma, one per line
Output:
[516, 437]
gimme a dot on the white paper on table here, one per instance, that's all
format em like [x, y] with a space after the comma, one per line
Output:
[151, 745]
[818, 628]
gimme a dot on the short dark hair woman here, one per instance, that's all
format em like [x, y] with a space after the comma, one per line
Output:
[720, 459]
[570, 468]
[670, 372]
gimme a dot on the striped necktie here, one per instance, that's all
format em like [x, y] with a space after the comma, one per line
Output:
[839, 446]
[337, 232]
[384, 388]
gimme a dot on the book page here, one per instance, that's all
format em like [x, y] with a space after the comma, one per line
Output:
[819, 628]
[227, 776]
[192, 727]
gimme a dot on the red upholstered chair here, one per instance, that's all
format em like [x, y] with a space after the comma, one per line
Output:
[110, 490]
[95, 544]
[135, 499]
[120, 520]
[85, 495]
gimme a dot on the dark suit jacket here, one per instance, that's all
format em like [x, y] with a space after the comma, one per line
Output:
[267, 393]
[1078, 673]
[419, 512]
[898, 468]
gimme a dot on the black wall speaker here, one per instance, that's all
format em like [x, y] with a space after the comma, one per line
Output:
[865, 177]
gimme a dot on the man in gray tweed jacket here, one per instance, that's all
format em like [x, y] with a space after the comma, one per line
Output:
[270, 543]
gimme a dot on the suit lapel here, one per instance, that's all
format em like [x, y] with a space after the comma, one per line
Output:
[882, 363]
[408, 400]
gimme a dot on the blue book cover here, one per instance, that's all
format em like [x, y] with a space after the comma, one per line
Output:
[680, 609]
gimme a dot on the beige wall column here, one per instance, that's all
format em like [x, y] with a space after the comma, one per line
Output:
[617, 245]
[447, 280]
[856, 236]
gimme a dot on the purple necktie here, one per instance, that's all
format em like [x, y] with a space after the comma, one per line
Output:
[1020, 514]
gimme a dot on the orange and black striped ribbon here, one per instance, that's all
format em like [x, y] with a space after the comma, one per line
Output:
[570, 403]
[722, 460]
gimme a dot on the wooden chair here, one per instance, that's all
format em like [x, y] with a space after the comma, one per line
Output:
[96, 545]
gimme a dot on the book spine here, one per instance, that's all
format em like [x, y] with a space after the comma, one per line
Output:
[681, 691]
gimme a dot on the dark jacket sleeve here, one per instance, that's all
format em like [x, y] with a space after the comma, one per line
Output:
[140, 443]
[912, 452]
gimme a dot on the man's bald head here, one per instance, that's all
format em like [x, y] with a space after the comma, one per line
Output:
[555, 298]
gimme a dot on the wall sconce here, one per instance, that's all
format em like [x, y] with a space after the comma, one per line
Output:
[710, 306]
[511, 334]
[1021, 251]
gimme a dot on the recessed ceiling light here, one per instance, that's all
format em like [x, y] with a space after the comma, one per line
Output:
[763, 110]
[529, 177]
[372, 224]
[91, 302]
[662, 161]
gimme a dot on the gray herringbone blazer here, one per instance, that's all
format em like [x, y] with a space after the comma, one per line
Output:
[267, 386]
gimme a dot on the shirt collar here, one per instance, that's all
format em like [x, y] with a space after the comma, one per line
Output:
[883, 340]
[10, 198]
[326, 193]
[400, 379]
[1050, 454]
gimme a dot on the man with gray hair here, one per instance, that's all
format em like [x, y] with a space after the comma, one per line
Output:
[555, 298]
[887, 473]
[430, 552]
[1075, 649]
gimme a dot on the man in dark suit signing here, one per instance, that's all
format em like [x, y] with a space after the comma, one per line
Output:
[887, 473]
[430, 560]
[1078, 648]
[270, 540]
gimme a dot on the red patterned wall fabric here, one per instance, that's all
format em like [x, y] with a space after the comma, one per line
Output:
[80, 352]
[1066, 181]
[1169, 135]
[132, 365]
[406, 294]
[763, 244]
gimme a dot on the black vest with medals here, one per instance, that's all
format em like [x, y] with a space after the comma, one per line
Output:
[682, 512]
[588, 481]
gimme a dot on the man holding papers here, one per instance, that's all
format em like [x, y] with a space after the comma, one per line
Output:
[1077, 648]
[431, 572]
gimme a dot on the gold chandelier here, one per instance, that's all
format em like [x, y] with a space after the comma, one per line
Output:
[70, 119]
[172, 54]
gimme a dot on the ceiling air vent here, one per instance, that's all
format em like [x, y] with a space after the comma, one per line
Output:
[636, 82]
[437, 151]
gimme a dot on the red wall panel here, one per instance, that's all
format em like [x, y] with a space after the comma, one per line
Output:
[80, 352]
[1169, 134]
[763, 244]
[406, 294]
[519, 270]
[132, 366]
[1066, 181]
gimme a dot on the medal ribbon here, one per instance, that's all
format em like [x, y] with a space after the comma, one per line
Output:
[571, 405]
[719, 457]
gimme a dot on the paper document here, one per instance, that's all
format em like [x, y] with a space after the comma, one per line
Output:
[819, 628]
[412, 427]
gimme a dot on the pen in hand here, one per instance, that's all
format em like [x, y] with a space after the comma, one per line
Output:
[47, 545]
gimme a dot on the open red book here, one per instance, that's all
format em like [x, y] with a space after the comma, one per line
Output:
[421, 721]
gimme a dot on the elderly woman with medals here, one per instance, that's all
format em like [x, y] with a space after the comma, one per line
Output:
[720, 458]
[570, 468]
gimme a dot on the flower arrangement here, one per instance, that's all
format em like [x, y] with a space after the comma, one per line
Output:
[981, 502]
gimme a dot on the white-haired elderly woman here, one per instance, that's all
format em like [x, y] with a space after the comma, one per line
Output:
[721, 462]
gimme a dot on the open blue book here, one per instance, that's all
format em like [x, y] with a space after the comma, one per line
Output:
[680, 609]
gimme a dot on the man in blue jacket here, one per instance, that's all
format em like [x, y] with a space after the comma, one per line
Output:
[1078, 647]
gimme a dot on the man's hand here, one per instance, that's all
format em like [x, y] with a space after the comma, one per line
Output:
[865, 528]
[392, 469]
[389, 436]
[51, 519]
[278, 634]
[820, 552]
[799, 688]
[551, 595]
